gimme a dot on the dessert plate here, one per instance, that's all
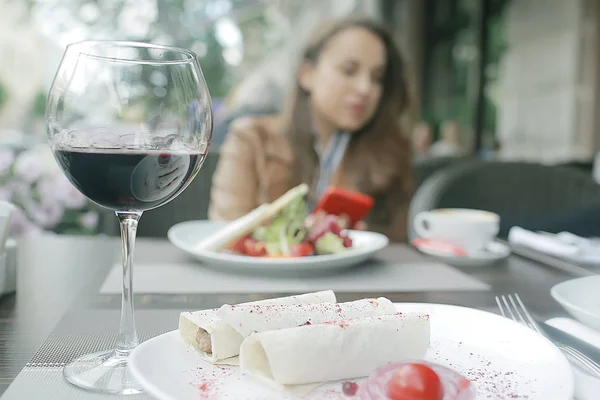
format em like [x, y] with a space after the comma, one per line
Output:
[502, 358]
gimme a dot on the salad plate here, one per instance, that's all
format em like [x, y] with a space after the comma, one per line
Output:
[281, 236]
[187, 235]
[501, 358]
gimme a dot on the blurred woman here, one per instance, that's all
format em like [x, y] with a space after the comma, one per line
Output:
[422, 139]
[450, 143]
[340, 127]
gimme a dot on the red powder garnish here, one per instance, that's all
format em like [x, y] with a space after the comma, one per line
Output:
[204, 388]
[306, 323]
[349, 388]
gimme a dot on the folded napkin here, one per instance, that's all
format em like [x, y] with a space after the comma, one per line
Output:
[586, 386]
[564, 245]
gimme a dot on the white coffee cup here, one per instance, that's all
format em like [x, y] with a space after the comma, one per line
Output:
[466, 228]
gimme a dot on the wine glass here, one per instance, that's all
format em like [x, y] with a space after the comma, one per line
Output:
[130, 124]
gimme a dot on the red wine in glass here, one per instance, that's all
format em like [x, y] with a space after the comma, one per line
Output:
[129, 179]
[130, 144]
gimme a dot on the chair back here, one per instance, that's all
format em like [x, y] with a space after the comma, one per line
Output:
[425, 167]
[520, 190]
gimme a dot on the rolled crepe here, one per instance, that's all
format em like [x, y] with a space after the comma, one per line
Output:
[252, 318]
[334, 351]
[217, 341]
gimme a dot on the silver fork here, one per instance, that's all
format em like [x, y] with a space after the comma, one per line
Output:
[512, 307]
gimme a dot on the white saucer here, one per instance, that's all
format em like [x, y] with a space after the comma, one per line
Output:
[491, 254]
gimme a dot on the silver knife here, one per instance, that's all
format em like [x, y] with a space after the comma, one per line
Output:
[560, 336]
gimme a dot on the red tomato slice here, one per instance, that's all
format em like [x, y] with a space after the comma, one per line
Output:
[238, 245]
[254, 248]
[415, 382]
[303, 249]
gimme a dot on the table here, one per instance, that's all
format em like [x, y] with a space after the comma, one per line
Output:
[63, 273]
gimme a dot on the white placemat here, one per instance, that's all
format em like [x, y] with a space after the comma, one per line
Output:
[184, 278]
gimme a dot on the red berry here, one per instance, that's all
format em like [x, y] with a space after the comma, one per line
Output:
[349, 388]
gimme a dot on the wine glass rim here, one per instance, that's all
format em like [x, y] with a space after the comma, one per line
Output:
[189, 56]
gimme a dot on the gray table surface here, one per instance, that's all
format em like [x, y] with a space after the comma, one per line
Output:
[60, 274]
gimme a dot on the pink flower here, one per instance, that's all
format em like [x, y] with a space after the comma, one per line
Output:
[46, 190]
[34, 230]
[29, 167]
[58, 189]
[21, 191]
[37, 185]
[20, 225]
[45, 215]
[6, 159]
[68, 194]
[89, 220]
[6, 193]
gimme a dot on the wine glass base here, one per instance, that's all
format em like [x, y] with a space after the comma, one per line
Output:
[102, 372]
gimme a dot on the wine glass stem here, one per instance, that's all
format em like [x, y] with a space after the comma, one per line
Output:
[128, 339]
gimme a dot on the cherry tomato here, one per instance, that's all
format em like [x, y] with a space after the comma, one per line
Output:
[238, 245]
[303, 249]
[254, 248]
[415, 382]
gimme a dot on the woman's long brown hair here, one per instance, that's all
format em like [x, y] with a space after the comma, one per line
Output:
[376, 147]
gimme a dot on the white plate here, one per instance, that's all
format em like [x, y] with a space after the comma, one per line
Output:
[504, 360]
[187, 234]
[493, 253]
[580, 298]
